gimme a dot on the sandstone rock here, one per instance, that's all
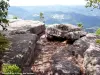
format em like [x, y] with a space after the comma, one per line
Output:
[90, 50]
[23, 36]
[70, 32]
[34, 27]
[63, 53]
[66, 68]
[68, 27]
[82, 44]
[64, 62]
[85, 47]
[22, 49]
[92, 60]
[75, 35]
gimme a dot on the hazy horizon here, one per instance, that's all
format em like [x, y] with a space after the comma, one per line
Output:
[46, 2]
[45, 5]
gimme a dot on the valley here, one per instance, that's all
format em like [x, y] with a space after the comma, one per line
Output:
[58, 14]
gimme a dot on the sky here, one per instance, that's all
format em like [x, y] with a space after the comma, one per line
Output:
[46, 2]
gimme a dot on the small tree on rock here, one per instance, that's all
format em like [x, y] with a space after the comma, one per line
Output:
[41, 17]
[80, 25]
[98, 31]
[15, 17]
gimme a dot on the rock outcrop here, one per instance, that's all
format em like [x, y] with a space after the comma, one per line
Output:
[23, 36]
[85, 47]
[80, 57]
[22, 49]
[65, 63]
[82, 44]
[69, 32]
[35, 27]
[89, 50]
[92, 60]
[92, 56]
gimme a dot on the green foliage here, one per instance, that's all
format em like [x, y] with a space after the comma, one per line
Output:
[80, 25]
[41, 17]
[15, 17]
[4, 43]
[3, 13]
[98, 41]
[13, 69]
[98, 31]
[93, 3]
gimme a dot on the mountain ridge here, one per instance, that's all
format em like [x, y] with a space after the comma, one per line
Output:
[59, 14]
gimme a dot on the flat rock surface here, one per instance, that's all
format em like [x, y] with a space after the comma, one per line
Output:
[35, 27]
[52, 54]
[23, 23]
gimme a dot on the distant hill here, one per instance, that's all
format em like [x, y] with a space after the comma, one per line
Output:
[19, 12]
[59, 14]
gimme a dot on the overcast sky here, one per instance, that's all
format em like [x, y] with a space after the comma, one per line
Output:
[45, 2]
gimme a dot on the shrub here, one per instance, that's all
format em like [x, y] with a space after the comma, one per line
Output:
[98, 31]
[9, 69]
[4, 43]
[98, 41]
[42, 17]
[80, 25]
[14, 17]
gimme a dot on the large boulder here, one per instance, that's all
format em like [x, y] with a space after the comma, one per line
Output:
[64, 62]
[92, 55]
[92, 60]
[66, 68]
[23, 36]
[90, 50]
[22, 49]
[35, 27]
[82, 44]
[70, 32]
[85, 51]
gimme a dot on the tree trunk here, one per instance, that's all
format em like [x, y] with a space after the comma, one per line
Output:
[1, 67]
